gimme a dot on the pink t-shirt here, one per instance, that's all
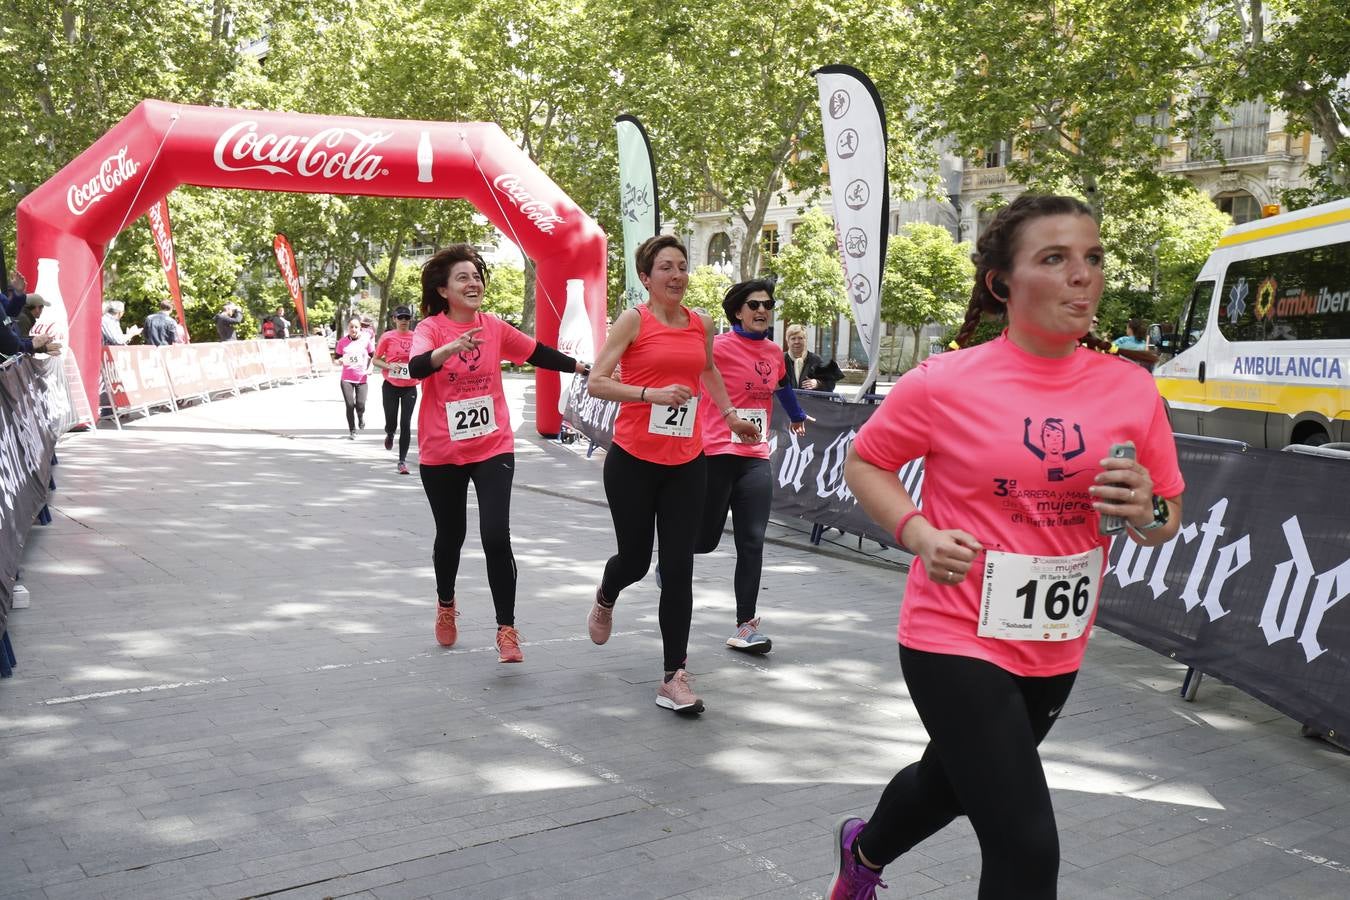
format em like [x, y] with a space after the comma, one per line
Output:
[1011, 443]
[355, 355]
[395, 348]
[751, 370]
[463, 417]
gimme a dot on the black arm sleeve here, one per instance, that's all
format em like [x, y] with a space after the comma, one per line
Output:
[545, 357]
[420, 366]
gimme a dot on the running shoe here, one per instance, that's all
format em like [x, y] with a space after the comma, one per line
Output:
[402, 467]
[447, 632]
[677, 694]
[852, 880]
[351, 435]
[601, 620]
[748, 639]
[508, 646]
[389, 442]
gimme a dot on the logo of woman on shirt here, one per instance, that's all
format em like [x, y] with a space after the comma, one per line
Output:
[763, 370]
[1052, 452]
[470, 358]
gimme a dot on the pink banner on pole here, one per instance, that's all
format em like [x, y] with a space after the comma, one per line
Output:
[158, 216]
[281, 249]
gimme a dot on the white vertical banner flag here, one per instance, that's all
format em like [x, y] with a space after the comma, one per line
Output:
[855, 147]
[637, 201]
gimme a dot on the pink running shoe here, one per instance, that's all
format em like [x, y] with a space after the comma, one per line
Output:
[508, 646]
[678, 695]
[601, 620]
[852, 880]
[447, 632]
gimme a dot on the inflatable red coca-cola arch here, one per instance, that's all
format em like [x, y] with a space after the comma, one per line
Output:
[71, 218]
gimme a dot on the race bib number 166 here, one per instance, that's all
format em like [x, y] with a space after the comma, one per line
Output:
[1039, 598]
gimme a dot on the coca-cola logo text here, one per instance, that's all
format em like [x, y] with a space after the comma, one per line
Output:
[242, 148]
[112, 172]
[543, 215]
[160, 229]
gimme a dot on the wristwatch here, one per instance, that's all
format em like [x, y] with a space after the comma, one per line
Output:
[1161, 512]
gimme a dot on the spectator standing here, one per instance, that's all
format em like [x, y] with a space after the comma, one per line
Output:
[160, 326]
[1133, 339]
[113, 335]
[227, 322]
[280, 326]
[32, 311]
[11, 343]
[806, 370]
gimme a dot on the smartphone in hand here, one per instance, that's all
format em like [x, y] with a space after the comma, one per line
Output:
[1116, 524]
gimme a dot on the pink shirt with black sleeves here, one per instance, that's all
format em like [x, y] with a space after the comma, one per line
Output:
[1011, 443]
[449, 394]
[751, 370]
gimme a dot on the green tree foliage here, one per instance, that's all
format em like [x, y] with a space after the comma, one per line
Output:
[1085, 90]
[810, 285]
[1153, 254]
[726, 92]
[927, 280]
[1296, 55]
[505, 294]
[707, 287]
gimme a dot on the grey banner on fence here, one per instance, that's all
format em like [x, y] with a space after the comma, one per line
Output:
[34, 408]
[1248, 591]
[589, 415]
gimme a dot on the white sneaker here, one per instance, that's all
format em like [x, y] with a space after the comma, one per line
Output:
[21, 600]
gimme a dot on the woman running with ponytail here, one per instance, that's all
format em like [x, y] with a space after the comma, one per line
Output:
[1010, 561]
[464, 430]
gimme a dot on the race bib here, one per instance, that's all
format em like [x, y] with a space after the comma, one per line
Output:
[398, 370]
[353, 360]
[755, 416]
[471, 418]
[1039, 598]
[674, 421]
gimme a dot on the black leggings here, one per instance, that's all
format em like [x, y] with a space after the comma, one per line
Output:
[355, 397]
[984, 725]
[399, 403]
[447, 490]
[743, 485]
[646, 500]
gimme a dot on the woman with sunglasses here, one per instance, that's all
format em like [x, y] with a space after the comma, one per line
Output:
[739, 478]
[464, 430]
[655, 474]
[399, 392]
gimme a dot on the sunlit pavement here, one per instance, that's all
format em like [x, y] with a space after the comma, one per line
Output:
[228, 686]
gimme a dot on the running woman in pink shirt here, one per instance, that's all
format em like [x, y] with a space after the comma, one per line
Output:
[355, 351]
[399, 391]
[464, 430]
[739, 478]
[1001, 598]
[655, 472]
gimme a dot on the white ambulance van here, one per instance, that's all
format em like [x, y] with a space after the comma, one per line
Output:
[1261, 352]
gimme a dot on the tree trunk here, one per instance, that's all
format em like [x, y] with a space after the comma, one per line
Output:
[527, 313]
[914, 356]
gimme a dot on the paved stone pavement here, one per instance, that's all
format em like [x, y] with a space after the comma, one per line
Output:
[229, 687]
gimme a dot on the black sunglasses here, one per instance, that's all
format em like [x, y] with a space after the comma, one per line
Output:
[402, 317]
[756, 305]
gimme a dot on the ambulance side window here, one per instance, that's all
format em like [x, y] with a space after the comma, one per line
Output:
[1195, 315]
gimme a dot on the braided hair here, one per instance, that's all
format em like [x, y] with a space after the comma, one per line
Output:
[994, 253]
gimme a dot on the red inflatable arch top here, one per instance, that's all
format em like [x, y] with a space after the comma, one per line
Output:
[71, 218]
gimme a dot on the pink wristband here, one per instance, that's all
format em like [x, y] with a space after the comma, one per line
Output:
[904, 520]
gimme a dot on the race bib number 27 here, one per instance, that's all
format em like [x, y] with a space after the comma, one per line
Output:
[1039, 598]
[674, 421]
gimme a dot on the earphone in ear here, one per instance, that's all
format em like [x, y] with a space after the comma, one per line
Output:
[998, 289]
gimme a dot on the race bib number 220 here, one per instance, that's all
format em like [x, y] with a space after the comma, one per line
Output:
[471, 418]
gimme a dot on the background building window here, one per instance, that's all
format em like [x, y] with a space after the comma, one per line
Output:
[719, 249]
[768, 242]
[1241, 205]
